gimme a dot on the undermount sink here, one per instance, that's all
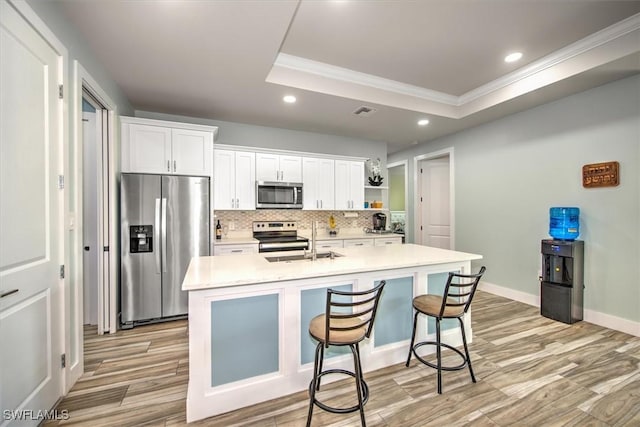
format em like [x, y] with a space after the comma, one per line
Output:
[289, 258]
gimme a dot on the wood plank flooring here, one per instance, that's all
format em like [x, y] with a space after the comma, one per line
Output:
[531, 371]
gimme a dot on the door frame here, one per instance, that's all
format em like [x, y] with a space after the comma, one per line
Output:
[107, 310]
[417, 214]
[408, 214]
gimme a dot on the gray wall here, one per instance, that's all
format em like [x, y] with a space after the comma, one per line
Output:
[283, 139]
[79, 50]
[509, 172]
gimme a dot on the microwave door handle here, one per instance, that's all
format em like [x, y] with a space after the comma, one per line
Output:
[295, 195]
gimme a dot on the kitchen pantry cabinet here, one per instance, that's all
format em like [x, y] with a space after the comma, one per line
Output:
[234, 182]
[276, 167]
[154, 146]
[318, 183]
[349, 185]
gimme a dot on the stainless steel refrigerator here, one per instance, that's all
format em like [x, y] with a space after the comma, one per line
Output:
[164, 223]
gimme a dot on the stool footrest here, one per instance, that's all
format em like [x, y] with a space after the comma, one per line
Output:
[435, 366]
[365, 393]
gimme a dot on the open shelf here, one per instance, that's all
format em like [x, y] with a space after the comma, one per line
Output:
[373, 187]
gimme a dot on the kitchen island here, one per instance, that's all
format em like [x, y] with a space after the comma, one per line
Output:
[248, 318]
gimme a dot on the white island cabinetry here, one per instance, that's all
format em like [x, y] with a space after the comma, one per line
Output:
[248, 318]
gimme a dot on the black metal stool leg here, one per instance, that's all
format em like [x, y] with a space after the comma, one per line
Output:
[315, 381]
[320, 367]
[466, 350]
[358, 377]
[413, 339]
[439, 355]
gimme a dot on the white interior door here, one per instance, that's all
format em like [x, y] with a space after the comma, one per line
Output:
[90, 209]
[31, 212]
[435, 196]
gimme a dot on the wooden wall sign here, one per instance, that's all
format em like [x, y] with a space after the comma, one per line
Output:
[601, 175]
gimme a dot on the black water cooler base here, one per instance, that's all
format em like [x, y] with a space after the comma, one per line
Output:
[558, 302]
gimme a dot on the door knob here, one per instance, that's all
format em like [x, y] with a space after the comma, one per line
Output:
[87, 248]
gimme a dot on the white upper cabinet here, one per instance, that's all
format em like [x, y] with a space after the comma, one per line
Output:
[318, 183]
[153, 146]
[234, 180]
[275, 167]
[349, 185]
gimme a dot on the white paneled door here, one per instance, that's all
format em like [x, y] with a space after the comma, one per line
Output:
[436, 222]
[31, 204]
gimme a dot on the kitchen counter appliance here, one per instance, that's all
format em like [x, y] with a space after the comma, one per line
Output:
[276, 236]
[278, 195]
[379, 221]
[164, 223]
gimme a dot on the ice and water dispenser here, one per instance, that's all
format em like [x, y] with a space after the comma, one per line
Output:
[562, 280]
[140, 238]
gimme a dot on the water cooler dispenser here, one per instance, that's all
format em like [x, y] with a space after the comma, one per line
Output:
[562, 284]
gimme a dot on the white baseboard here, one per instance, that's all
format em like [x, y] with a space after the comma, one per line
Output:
[591, 316]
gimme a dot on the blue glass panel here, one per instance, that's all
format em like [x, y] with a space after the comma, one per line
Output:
[312, 303]
[395, 312]
[244, 338]
[436, 284]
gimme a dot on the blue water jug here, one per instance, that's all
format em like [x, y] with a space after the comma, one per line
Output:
[564, 223]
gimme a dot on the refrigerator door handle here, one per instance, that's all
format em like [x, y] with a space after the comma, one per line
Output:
[156, 236]
[163, 226]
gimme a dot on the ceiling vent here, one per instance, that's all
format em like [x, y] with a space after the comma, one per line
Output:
[364, 111]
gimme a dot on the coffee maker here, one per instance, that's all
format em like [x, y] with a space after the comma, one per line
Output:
[379, 221]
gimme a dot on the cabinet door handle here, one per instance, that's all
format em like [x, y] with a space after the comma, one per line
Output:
[359, 244]
[320, 204]
[236, 251]
[238, 203]
[11, 292]
[174, 166]
[168, 166]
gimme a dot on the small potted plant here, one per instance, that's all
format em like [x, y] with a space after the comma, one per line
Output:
[375, 177]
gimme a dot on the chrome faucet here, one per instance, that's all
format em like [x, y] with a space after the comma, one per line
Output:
[313, 255]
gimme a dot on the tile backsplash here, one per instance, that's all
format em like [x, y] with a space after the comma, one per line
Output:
[243, 220]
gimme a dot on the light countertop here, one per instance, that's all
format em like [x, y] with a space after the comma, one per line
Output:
[246, 269]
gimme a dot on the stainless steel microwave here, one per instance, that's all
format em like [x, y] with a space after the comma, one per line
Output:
[278, 195]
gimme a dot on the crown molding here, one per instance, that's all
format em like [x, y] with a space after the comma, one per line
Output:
[423, 96]
[586, 44]
[333, 72]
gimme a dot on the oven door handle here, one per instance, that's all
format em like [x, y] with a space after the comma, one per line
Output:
[285, 245]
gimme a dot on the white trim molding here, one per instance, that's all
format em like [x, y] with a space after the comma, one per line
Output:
[604, 46]
[597, 318]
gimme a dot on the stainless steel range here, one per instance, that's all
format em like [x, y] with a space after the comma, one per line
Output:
[275, 236]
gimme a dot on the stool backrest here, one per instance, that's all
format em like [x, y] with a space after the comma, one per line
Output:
[459, 292]
[360, 306]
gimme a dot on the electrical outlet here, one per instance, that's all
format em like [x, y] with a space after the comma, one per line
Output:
[232, 225]
[354, 223]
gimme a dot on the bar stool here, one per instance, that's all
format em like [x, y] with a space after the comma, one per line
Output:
[453, 304]
[348, 319]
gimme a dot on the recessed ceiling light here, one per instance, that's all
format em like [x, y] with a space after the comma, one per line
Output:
[423, 122]
[513, 57]
[289, 99]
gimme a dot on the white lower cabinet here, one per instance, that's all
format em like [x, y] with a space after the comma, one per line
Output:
[383, 241]
[349, 243]
[250, 248]
[328, 244]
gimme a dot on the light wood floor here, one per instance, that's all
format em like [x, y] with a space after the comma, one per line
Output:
[531, 371]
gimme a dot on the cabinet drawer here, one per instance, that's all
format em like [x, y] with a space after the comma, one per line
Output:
[325, 244]
[235, 249]
[388, 241]
[358, 242]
